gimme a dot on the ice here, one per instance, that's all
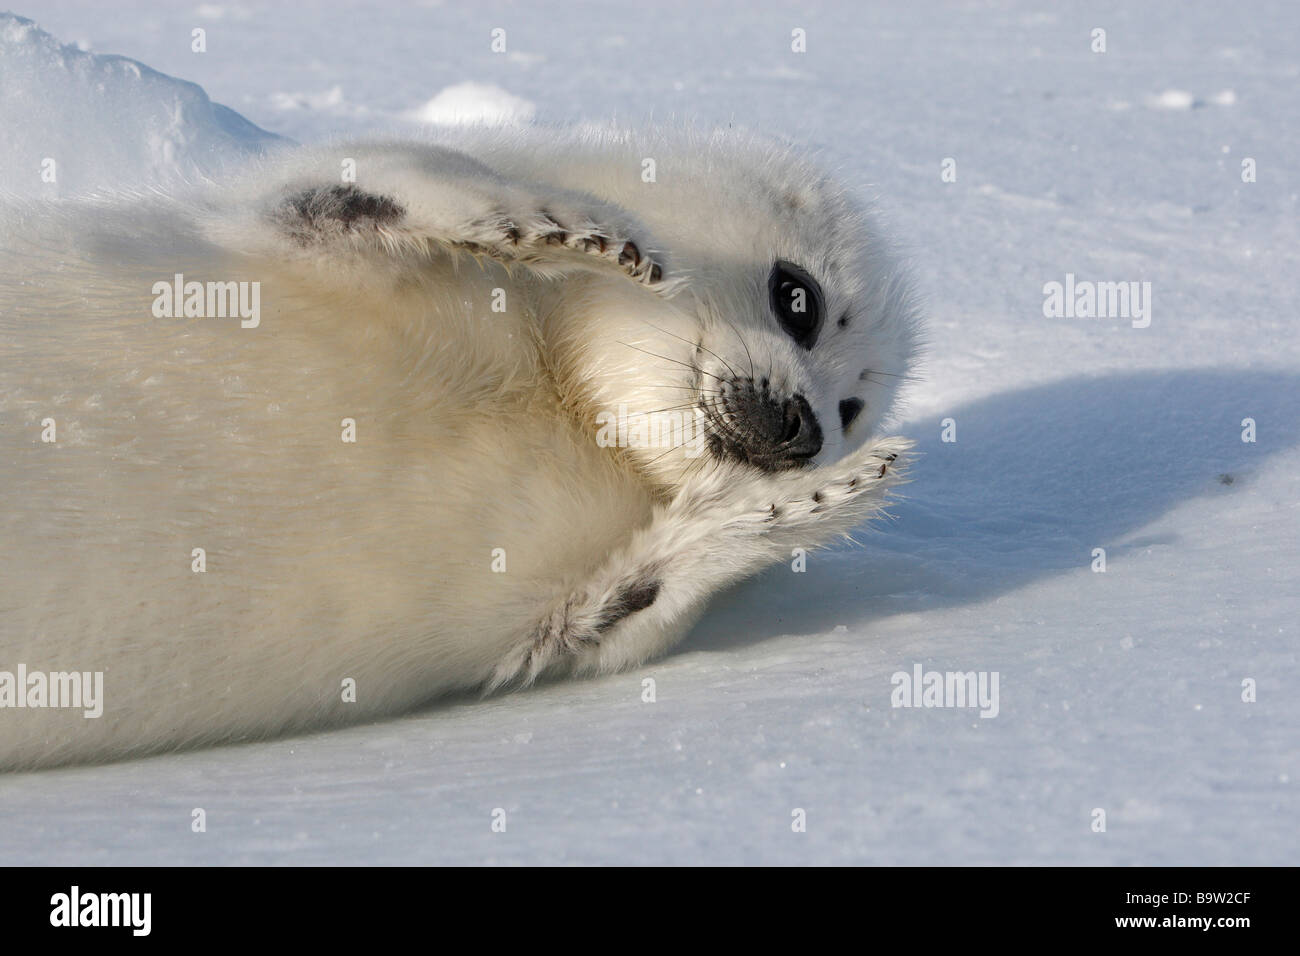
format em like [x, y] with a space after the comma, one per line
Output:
[74, 122]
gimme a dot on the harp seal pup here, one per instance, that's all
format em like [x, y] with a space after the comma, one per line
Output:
[380, 478]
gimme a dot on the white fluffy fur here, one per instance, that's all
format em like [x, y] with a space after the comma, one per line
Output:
[373, 560]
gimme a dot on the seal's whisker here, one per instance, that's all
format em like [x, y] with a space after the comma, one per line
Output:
[693, 368]
[698, 345]
[745, 344]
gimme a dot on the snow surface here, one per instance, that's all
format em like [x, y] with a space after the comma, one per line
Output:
[104, 122]
[1119, 690]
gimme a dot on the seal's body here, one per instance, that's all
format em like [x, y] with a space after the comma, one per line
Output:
[310, 447]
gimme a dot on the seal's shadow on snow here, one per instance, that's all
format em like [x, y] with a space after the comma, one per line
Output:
[1035, 480]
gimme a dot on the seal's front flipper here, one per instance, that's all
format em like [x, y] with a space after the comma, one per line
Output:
[409, 204]
[722, 527]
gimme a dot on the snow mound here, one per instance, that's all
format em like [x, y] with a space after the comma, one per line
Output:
[77, 122]
[1173, 100]
[474, 103]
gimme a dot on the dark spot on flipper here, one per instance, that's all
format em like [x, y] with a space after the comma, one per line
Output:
[633, 598]
[324, 210]
[355, 204]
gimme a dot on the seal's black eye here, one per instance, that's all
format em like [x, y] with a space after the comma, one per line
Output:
[796, 302]
[850, 409]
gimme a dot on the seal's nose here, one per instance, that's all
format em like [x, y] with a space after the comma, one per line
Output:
[758, 429]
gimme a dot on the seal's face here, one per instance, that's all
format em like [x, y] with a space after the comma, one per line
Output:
[773, 365]
[779, 337]
[753, 422]
[797, 363]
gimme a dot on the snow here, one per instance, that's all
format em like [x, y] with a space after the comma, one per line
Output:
[1174, 100]
[1120, 690]
[474, 103]
[74, 122]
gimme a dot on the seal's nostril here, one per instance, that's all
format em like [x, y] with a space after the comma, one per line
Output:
[793, 423]
[803, 437]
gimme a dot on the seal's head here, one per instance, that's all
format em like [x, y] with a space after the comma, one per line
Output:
[785, 326]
